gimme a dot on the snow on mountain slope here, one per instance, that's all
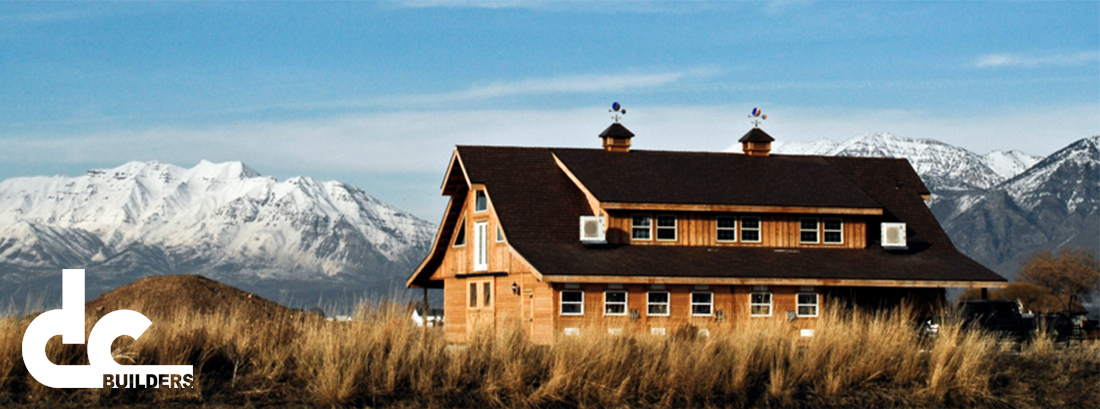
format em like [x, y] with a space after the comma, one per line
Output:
[1011, 163]
[212, 217]
[1054, 204]
[1070, 176]
[943, 167]
[815, 148]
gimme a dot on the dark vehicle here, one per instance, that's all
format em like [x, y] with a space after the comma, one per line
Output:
[998, 316]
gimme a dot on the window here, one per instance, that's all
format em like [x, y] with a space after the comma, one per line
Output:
[614, 303]
[481, 203]
[834, 231]
[807, 230]
[702, 303]
[640, 226]
[460, 238]
[666, 227]
[500, 235]
[657, 303]
[572, 303]
[807, 304]
[760, 304]
[486, 298]
[727, 228]
[750, 229]
[481, 248]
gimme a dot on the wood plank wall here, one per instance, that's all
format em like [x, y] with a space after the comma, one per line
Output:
[732, 301]
[700, 229]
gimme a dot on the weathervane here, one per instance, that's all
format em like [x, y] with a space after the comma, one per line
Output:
[759, 115]
[618, 110]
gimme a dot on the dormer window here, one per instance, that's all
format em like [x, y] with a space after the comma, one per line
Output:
[807, 230]
[750, 229]
[666, 227]
[727, 228]
[481, 202]
[640, 227]
[460, 238]
[834, 231]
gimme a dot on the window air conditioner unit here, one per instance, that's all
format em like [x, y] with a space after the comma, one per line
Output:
[593, 230]
[893, 236]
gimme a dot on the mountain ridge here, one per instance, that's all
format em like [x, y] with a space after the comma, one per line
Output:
[222, 220]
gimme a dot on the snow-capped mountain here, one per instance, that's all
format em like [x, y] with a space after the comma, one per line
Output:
[997, 208]
[944, 168]
[222, 220]
[1053, 204]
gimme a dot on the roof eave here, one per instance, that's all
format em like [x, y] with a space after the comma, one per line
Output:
[816, 282]
[870, 211]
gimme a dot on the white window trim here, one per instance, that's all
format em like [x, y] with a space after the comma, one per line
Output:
[657, 227]
[652, 221]
[816, 230]
[667, 304]
[758, 229]
[709, 304]
[561, 302]
[481, 246]
[625, 303]
[770, 304]
[481, 193]
[719, 229]
[816, 305]
[841, 231]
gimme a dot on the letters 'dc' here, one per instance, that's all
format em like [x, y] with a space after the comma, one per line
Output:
[69, 323]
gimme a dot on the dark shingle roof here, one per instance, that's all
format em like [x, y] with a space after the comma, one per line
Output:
[712, 178]
[539, 207]
[872, 263]
[534, 199]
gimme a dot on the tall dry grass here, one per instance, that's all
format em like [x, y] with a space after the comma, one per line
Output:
[381, 359]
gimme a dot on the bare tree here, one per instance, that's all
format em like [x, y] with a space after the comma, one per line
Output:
[1070, 275]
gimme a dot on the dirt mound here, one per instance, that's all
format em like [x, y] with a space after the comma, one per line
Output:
[167, 296]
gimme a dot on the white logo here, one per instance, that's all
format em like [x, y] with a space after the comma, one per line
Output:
[102, 370]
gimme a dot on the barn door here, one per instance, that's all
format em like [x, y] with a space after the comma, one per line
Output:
[481, 298]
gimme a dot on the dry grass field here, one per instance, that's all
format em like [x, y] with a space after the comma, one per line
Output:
[381, 360]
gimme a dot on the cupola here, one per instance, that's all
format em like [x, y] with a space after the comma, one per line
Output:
[616, 138]
[756, 143]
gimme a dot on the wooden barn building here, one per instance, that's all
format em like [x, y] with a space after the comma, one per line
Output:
[559, 239]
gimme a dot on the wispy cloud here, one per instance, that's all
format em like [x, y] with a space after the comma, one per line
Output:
[492, 4]
[561, 85]
[1032, 61]
[49, 16]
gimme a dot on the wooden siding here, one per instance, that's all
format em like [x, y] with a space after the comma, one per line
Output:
[730, 308]
[700, 229]
[454, 307]
[459, 261]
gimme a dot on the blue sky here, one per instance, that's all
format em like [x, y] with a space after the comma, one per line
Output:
[377, 94]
